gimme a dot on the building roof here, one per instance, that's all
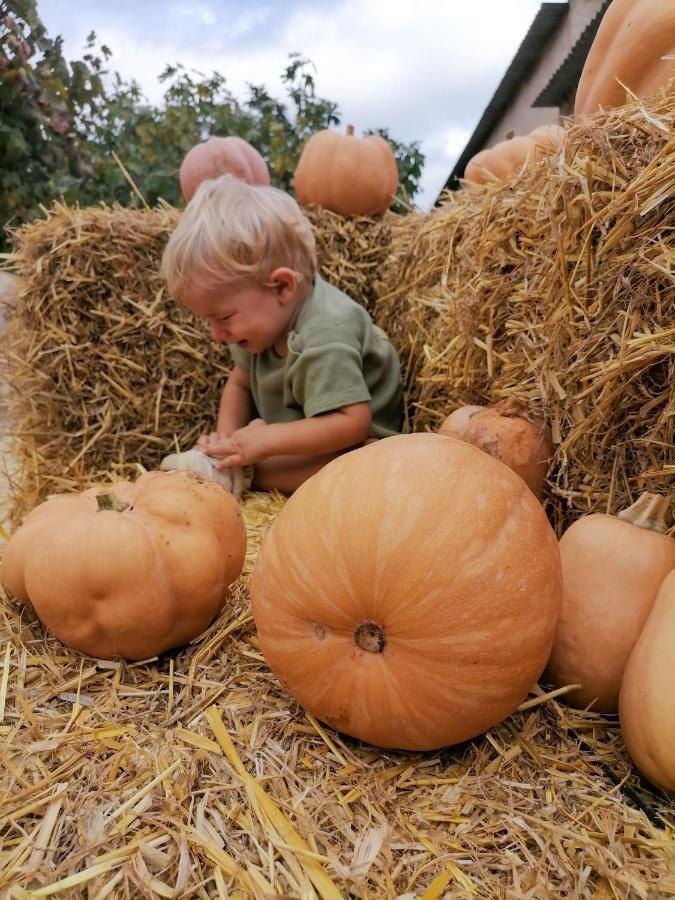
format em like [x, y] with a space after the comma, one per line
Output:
[566, 79]
[545, 24]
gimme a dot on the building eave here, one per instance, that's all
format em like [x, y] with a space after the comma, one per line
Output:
[545, 24]
[566, 78]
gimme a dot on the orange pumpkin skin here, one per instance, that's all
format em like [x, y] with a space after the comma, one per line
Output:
[220, 156]
[455, 424]
[548, 139]
[647, 699]
[612, 570]
[346, 174]
[505, 432]
[407, 594]
[132, 583]
[500, 162]
[635, 45]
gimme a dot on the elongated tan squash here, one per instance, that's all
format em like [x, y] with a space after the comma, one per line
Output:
[647, 699]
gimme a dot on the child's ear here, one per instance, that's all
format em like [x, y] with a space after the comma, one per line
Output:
[284, 282]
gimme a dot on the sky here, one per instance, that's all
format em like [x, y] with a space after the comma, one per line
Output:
[424, 69]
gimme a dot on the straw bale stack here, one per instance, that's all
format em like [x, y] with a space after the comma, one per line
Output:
[558, 288]
[195, 775]
[106, 373]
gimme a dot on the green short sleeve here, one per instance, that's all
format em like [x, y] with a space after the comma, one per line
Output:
[327, 377]
[241, 358]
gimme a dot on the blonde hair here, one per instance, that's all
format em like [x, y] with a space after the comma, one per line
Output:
[231, 230]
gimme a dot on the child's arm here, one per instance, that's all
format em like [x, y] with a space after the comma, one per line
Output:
[325, 433]
[234, 411]
[235, 403]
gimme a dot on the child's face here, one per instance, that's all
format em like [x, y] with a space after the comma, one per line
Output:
[244, 312]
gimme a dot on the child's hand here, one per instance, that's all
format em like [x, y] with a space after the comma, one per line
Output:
[244, 447]
[210, 443]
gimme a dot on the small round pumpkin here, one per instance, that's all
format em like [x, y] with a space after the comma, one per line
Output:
[221, 156]
[346, 174]
[407, 593]
[129, 570]
[647, 698]
[507, 433]
[455, 424]
[634, 49]
[613, 567]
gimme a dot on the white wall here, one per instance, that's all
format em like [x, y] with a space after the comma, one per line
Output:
[520, 116]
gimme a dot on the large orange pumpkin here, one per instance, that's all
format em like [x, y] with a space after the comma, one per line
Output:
[221, 156]
[634, 48]
[349, 175]
[407, 593]
[647, 699]
[612, 569]
[129, 570]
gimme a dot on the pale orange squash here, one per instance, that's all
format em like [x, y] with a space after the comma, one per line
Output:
[633, 49]
[612, 569]
[132, 569]
[407, 593]
[548, 138]
[647, 699]
[221, 156]
[506, 432]
[346, 174]
[500, 162]
[506, 158]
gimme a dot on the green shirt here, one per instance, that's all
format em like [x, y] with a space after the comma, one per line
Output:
[336, 356]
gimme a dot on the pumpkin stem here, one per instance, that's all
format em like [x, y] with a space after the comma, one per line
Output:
[108, 500]
[649, 511]
[350, 130]
[369, 636]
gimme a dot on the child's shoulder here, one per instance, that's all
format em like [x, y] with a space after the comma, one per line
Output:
[329, 304]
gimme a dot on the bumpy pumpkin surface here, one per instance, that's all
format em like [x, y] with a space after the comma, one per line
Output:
[612, 570]
[647, 699]
[408, 592]
[346, 174]
[145, 573]
[221, 156]
[634, 49]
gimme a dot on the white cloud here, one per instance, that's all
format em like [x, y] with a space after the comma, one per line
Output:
[425, 70]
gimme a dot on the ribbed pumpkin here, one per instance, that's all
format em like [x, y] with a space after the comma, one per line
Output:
[221, 156]
[634, 48]
[129, 570]
[346, 174]
[647, 699]
[407, 593]
[506, 432]
[612, 569]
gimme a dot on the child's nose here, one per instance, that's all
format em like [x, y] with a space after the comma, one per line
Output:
[219, 331]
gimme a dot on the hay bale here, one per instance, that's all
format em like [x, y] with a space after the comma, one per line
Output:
[558, 288]
[107, 373]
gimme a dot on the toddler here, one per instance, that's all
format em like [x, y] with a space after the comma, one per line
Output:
[313, 376]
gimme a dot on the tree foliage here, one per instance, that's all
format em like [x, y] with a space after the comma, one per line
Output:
[63, 123]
